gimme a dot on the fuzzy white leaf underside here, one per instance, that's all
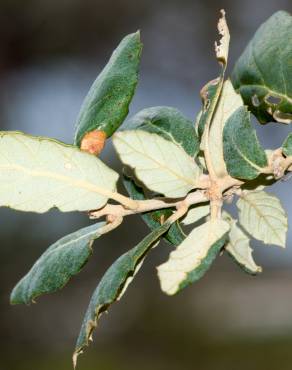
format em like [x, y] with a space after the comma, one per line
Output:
[161, 165]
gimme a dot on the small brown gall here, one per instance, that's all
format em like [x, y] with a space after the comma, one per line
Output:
[93, 142]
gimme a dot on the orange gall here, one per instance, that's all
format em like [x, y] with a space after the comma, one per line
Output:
[93, 142]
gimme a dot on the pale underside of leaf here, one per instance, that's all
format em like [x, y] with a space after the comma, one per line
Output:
[238, 247]
[229, 102]
[113, 284]
[57, 265]
[180, 269]
[37, 174]
[196, 214]
[262, 216]
[210, 93]
[161, 165]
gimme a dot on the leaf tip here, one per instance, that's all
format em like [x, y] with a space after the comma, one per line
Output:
[167, 286]
[75, 358]
[222, 47]
[138, 33]
[14, 298]
[259, 270]
[134, 37]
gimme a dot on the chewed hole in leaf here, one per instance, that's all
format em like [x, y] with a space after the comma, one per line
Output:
[255, 101]
[271, 99]
[282, 117]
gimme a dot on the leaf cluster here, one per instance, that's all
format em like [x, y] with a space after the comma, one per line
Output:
[177, 173]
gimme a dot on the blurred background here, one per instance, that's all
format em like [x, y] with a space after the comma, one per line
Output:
[50, 53]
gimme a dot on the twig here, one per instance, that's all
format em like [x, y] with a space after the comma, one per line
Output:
[150, 205]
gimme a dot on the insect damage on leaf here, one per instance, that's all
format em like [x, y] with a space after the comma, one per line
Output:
[107, 102]
[93, 142]
[222, 47]
[180, 173]
[113, 284]
[262, 74]
[210, 93]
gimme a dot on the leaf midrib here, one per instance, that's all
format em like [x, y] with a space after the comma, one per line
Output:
[262, 216]
[237, 148]
[62, 178]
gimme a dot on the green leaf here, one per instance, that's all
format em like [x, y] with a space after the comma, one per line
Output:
[190, 260]
[37, 174]
[244, 157]
[262, 74]
[197, 213]
[57, 265]
[153, 219]
[161, 165]
[263, 217]
[287, 146]
[113, 285]
[228, 103]
[169, 123]
[107, 103]
[238, 247]
[210, 93]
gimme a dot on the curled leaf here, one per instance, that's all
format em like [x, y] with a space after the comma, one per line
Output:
[238, 247]
[228, 103]
[113, 285]
[210, 93]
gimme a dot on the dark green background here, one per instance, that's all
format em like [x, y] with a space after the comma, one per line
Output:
[50, 53]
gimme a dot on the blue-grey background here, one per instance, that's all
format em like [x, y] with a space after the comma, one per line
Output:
[50, 53]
